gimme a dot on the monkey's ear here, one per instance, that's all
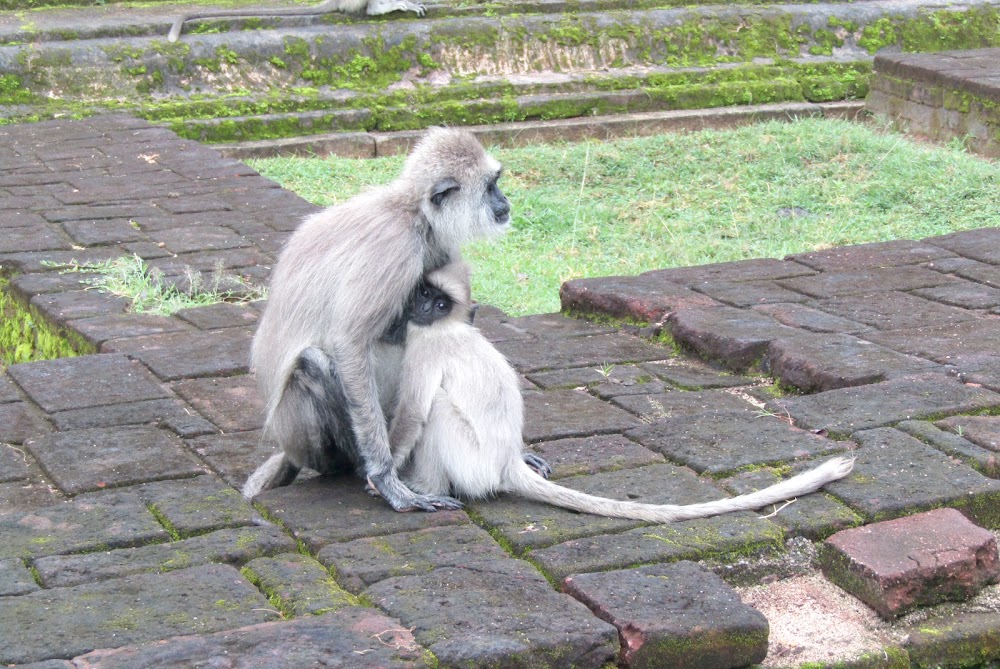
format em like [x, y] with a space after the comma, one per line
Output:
[472, 313]
[440, 190]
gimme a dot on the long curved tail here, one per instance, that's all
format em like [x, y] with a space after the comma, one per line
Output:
[532, 486]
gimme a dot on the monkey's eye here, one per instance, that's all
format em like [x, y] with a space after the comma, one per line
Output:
[441, 305]
[423, 292]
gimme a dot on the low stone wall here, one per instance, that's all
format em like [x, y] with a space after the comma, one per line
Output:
[942, 95]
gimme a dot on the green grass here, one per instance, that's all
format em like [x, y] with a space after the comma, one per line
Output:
[632, 205]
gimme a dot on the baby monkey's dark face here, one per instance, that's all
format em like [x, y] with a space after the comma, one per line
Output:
[429, 304]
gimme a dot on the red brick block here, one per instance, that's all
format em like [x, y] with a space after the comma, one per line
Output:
[898, 565]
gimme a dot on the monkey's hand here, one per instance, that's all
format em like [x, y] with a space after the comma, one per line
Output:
[540, 466]
[392, 490]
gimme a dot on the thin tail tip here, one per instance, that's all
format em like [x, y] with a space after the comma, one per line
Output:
[841, 467]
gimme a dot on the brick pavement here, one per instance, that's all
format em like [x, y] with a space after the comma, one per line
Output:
[126, 544]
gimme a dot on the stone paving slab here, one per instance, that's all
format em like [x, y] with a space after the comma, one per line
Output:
[892, 345]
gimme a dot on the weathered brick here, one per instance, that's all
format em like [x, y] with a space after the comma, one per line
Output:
[735, 337]
[865, 256]
[300, 583]
[232, 403]
[646, 298]
[897, 565]
[534, 355]
[679, 615]
[556, 414]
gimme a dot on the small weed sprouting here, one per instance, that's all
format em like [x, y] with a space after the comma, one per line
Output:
[151, 293]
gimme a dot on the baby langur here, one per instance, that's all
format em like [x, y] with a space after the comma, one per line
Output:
[369, 7]
[325, 353]
[457, 427]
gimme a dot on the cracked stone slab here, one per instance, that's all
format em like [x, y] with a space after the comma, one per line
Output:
[943, 343]
[232, 403]
[878, 254]
[536, 355]
[356, 637]
[743, 533]
[897, 565]
[866, 281]
[557, 414]
[692, 375]
[810, 319]
[113, 520]
[86, 381]
[674, 403]
[736, 337]
[894, 310]
[895, 475]
[15, 579]
[507, 614]
[66, 622]
[197, 505]
[964, 294]
[847, 410]
[814, 516]
[813, 362]
[186, 355]
[230, 546]
[590, 455]
[724, 441]
[982, 460]
[678, 615]
[326, 509]
[172, 414]
[647, 297]
[85, 460]
[20, 422]
[100, 329]
[301, 584]
[364, 562]
[749, 293]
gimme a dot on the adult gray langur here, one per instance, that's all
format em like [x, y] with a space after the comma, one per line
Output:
[369, 7]
[457, 425]
[325, 353]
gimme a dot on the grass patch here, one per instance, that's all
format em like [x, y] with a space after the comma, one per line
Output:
[150, 293]
[25, 338]
[632, 205]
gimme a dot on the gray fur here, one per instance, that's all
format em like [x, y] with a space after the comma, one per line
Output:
[457, 427]
[342, 280]
[369, 7]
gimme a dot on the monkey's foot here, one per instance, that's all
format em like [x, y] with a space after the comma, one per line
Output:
[401, 498]
[541, 467]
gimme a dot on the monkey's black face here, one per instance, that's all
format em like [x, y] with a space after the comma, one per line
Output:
[498, 202]
[429, 304]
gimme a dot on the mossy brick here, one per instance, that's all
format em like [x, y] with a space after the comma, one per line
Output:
[673, 403]
[172, 414]
[21, 422]
[534, 355]
[625, 376]
[93, 459]
[60, 308]
[590, 455]
[86, 381]
[113, 520]
[893, 310]
[197, 505]
[897, 565]
[556, 414]
[964, 294]
[505, 616]
[183, 355]
[734, 337]
[646, 298]
[962, 640]
[234, 546]
[33, 238]
[982, 245]
[728, 537]
[104, 231]
[66, 622]
[895, 475]
[300, 584]
[866, 282]
[813, 362]
[325, 509]
[232, 403]
[356, 637]
[694, 375]
[879, 254]
[234, 455]
[220, 315]
[950, 443]
[15, 578]
[814, 516]
[99, 329]
[526, 525]
[846, 410]
[363, 562]
[724, 441]
[678, 615]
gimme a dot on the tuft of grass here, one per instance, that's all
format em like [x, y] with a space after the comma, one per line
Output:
[631, 205]
[149, 293]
